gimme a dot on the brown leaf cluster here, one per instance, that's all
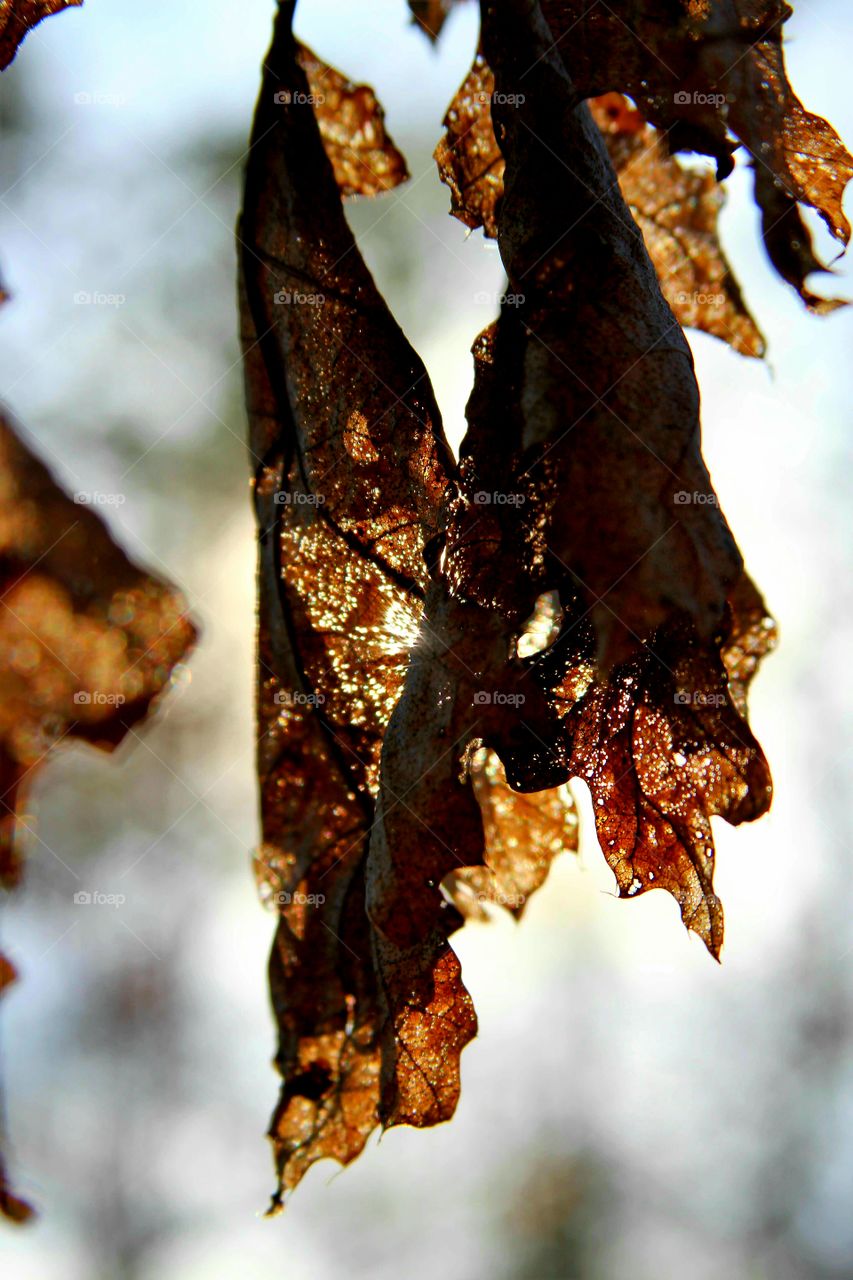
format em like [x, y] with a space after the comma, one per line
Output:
[711, 75]
[444, 644]
[675, 208]
[707, 76]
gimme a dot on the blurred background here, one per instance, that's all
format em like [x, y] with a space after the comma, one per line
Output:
[629, 1108]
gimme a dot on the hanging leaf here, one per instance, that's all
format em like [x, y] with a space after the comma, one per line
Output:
[436, 638]
[87, 640]
[468, 156]
[348, 491]
[639, 672]
[523, 834]
[352, 486]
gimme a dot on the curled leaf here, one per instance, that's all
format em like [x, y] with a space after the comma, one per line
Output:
[656, 729]
[437, 639]
[468, 156]
[523, 834]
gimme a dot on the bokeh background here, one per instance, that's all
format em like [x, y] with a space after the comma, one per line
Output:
[629, 1108]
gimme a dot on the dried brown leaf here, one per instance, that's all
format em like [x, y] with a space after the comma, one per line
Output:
[468, 156]
[599, 393]
[87, 640]
[435, 639]
[352, 126]
[344, 426]
[523, 835]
